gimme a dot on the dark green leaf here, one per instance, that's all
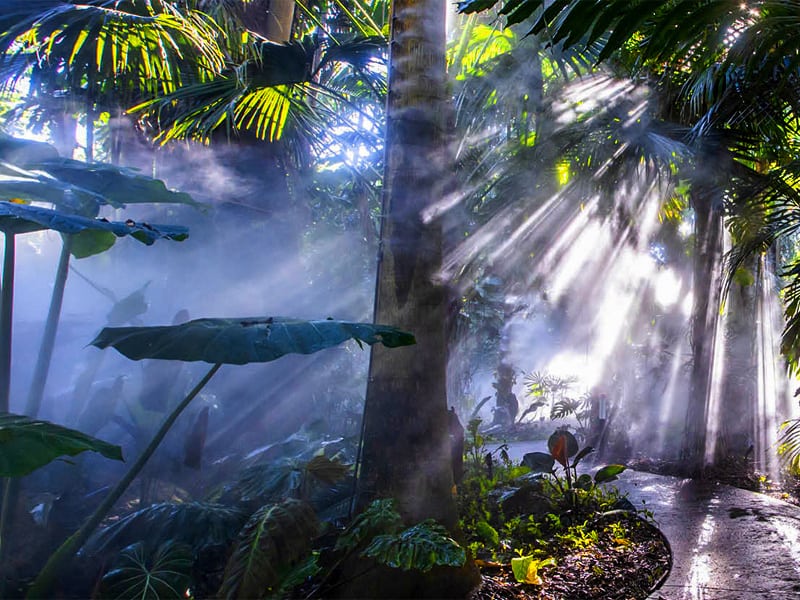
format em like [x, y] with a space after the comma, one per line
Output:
[27, 444]
[608, 473]
[420, 547]
[275, 539]
[197, 524]
[538, 462]
[473, 6]
[138, 574]
[380, 517]
[17, 218]
[242, 341]
[582, 454]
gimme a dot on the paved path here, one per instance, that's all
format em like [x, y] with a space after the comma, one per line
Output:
[727, 543]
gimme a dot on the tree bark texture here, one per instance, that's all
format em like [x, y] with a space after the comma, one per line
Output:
[405, 448]
[705, 312]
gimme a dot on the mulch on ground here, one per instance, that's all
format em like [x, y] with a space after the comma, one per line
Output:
[614, 568]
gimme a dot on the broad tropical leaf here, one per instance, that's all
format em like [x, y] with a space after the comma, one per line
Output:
[380, 517]
[562, 445]
[27, 444]
[196, 524]
[34, 171]
[608, 473]
[242, 341]
[137, 573]
[539, 462]
[420, 547]
[93, 235]
[276, 538]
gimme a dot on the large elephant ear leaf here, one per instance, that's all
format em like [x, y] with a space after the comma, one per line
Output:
[275, 539]
[90, 236]
[116, 186]
[24, 152]
[27, 444]
[242, 341]
[40, 174]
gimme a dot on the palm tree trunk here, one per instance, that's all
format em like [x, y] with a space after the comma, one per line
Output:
[404, 452]
[706, 277]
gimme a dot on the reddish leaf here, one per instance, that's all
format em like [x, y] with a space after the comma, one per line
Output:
[559, 449]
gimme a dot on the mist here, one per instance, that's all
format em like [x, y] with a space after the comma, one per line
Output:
[572, 265]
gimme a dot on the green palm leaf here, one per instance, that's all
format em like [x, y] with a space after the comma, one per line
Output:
[148, 43]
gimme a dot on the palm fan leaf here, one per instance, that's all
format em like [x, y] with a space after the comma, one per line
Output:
[148, 43]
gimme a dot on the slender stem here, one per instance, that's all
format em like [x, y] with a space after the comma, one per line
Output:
[50, 329]
[6, 315]
[42, 586]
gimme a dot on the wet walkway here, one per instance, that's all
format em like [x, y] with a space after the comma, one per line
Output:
[727, 543]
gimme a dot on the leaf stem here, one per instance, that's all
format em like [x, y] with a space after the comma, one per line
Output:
[43, 584]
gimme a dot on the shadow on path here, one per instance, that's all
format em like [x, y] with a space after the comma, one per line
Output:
[727, 543]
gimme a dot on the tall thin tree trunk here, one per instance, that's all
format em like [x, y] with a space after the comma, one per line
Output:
[706, 278]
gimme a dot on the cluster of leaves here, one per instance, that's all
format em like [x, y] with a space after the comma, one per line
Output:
[527, 516]
[378, 533]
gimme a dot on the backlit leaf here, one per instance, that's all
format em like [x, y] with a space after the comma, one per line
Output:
[242, 341]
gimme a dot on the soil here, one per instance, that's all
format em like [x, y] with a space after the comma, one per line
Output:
[611, 569]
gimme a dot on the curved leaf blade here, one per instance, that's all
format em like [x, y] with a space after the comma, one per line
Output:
[562, 445]
[138, 573]
[538, 462]
[28, 444]
[276, 536]
[608, 473]
[243, 341]
[422, 546]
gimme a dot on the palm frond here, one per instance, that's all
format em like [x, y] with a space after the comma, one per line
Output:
[148, 44]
